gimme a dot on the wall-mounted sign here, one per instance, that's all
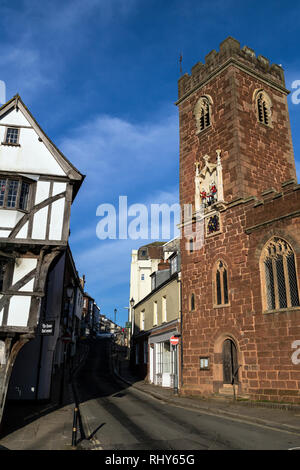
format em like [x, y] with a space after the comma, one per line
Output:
[47, 328]
[2, 354]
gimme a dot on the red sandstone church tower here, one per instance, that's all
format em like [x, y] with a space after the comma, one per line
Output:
[240, 243]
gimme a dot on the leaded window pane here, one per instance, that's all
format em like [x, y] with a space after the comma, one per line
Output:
[2, 191]
[24, 196]
[219, 297]
[281, 282]
[292, 280]
[12, 193]
[225, 287]
[270, 284]
[12, 135]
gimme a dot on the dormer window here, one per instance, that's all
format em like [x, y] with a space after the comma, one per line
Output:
[14, 193]
[12, 136]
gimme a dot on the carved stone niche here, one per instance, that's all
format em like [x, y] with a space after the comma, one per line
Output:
[209, 184]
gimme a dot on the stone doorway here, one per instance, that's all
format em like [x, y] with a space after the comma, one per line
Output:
[230, 363]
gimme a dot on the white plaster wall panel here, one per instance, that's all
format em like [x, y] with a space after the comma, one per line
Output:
[31, 157]
[23, 232]
[40, 224]
[23, 266]
[9, 218]
[59, 188]
[2, 133]
[28, 287]
[18, 312]
[42, 191]
[57, 217]
[4, 233]
[15, 118]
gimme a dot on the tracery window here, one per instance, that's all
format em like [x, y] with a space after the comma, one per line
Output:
[280, 284]
[263, 107]
[202, 113]
[220, 283]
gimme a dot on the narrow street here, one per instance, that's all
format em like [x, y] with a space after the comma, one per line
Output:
[119, 417]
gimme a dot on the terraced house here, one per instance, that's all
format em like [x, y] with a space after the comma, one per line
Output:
[37, 187]
[240, 276]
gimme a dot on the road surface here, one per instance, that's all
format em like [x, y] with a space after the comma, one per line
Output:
[120, 417]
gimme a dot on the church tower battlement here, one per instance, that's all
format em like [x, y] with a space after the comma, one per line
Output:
[236, 103]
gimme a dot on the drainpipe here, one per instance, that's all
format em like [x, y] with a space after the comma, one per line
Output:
[181, 342]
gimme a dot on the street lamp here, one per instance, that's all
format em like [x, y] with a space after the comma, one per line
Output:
[131, 314]
[115, 312]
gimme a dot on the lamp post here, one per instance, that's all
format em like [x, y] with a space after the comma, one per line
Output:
[115, 317]
[132, 314]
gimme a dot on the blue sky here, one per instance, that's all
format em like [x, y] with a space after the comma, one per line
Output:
[100, 76]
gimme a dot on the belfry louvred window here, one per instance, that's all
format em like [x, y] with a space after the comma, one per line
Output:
[203, 113]
[263, 108]
[279, 276]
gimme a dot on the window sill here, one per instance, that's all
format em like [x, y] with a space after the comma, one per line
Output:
[221, 306]
[14, 209]
[282, 310]
[10, 144]
[200, 132]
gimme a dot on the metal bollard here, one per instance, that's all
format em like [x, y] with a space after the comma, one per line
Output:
[74, 430]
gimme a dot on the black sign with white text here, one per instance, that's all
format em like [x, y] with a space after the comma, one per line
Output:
[47, 328]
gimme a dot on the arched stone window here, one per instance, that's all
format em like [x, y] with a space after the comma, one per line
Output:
[220, 283]
[263, 107]
[279, 276]
[202, 113]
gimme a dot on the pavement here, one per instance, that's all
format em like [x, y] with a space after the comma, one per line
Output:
[280, 416]
[43, 426]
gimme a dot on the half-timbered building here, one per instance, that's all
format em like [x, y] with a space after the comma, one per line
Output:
[37, 187]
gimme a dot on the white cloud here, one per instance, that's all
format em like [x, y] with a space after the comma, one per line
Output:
[116, 154]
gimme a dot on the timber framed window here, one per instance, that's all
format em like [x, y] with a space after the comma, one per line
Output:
[279, 276]
[12, 135]
[14, 193]
[220, 284]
